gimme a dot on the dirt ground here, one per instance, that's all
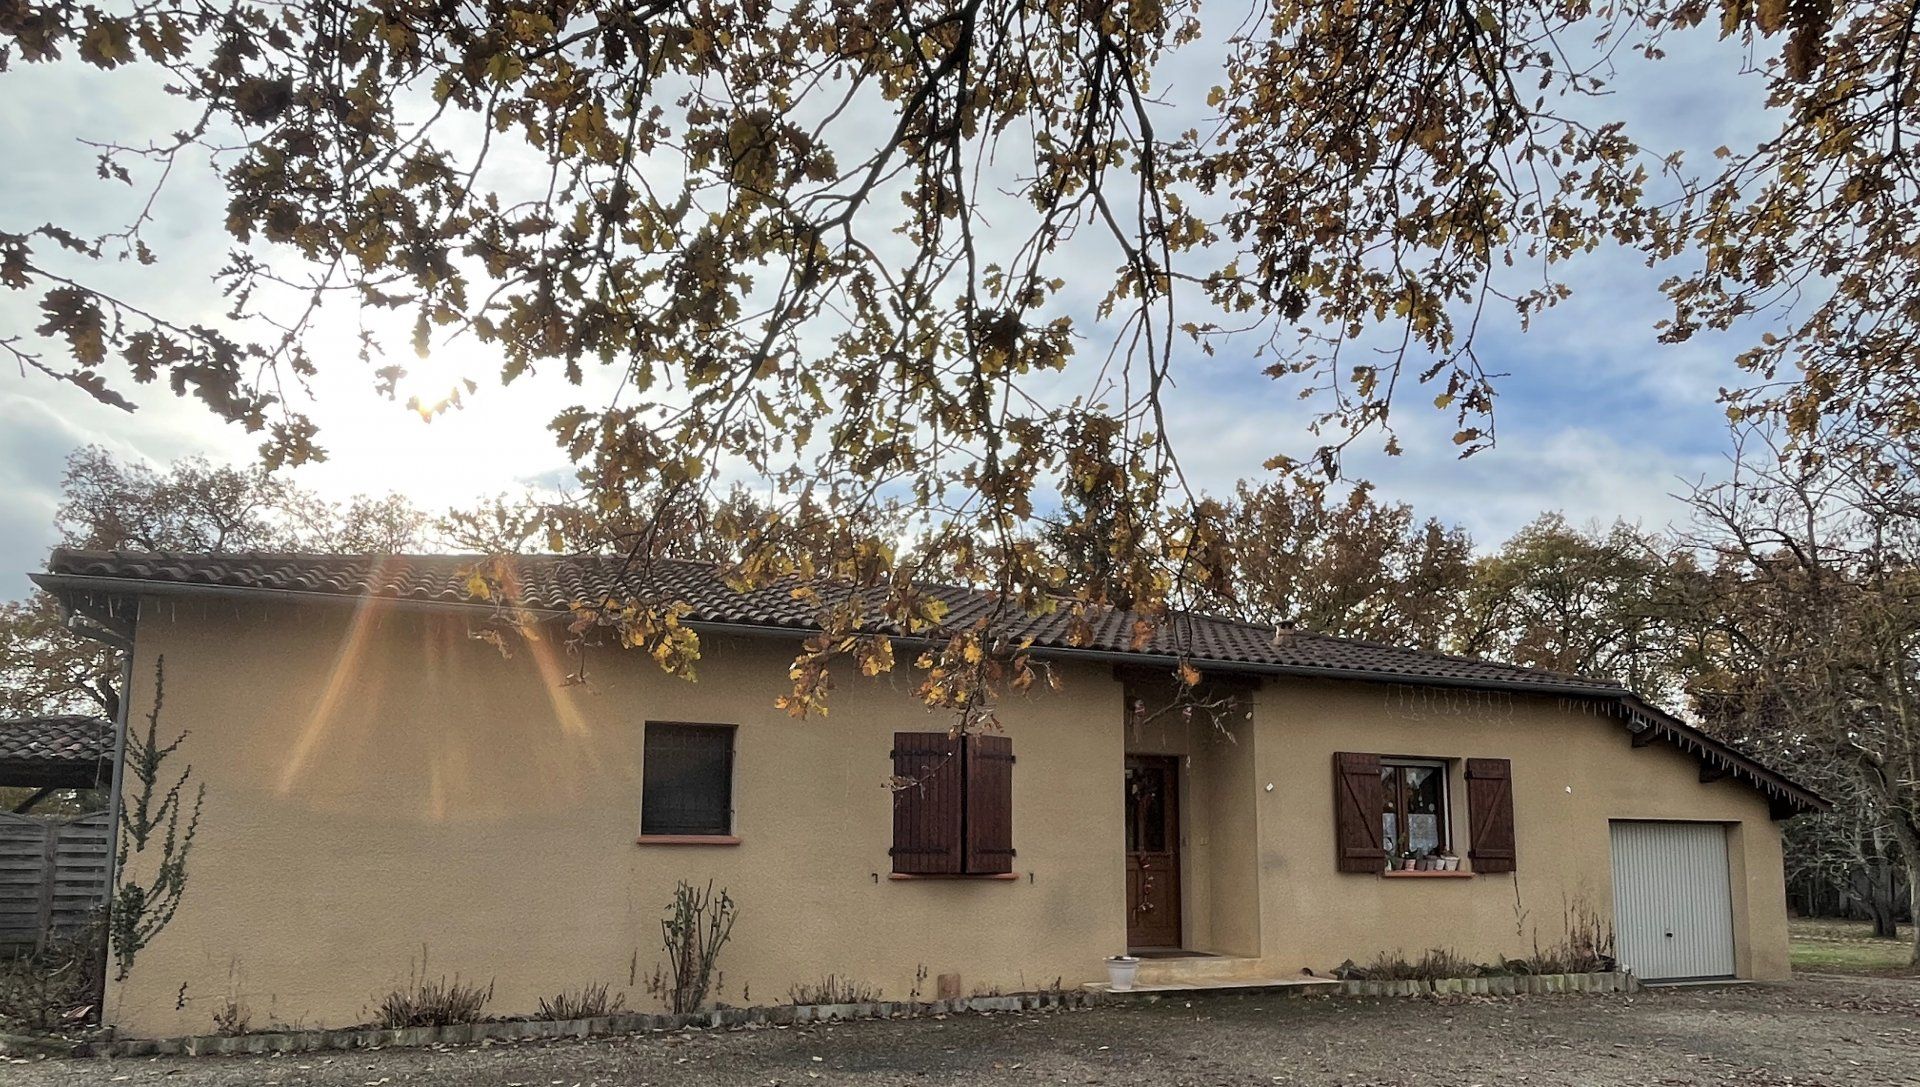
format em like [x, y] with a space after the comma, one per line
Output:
[1816, 1032]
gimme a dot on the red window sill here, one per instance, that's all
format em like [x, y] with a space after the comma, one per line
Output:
[954, 875]
[687, 839]
[1426, 875]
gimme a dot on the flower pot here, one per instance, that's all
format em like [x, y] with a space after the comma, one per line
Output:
[1120, 972]
[1453, 864]
[1406, 864]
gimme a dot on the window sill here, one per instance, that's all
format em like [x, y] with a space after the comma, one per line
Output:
[1001, 876]
[1426, 875]
[686, 839]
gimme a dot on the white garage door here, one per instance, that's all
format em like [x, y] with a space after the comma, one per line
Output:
[1672, 900]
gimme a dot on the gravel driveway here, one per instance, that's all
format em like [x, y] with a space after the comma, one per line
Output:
[1817, 1031]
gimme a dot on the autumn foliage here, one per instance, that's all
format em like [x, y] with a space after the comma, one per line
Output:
[944, 257]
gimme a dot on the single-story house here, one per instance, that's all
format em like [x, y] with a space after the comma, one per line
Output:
[382, 789]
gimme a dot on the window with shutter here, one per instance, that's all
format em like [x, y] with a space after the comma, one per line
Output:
[989, 814]
[1358, 803]
[1490, 815]
[927, 804]
[952, 804]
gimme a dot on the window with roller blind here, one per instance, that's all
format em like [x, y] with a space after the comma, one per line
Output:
[686, 789]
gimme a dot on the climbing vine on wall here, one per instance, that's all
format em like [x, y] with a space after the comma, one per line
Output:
[154, 801]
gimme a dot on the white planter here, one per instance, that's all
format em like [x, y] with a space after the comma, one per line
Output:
[1120, 972]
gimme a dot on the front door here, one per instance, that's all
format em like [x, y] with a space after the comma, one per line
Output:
[1153, 852]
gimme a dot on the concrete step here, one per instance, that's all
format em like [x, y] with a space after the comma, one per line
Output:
[1695, 983]
[1294, 986]
[1198, 968]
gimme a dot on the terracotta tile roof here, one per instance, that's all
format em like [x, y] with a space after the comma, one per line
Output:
[550, 582]
[67, 750]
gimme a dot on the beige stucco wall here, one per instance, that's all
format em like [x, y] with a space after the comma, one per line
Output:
[1573, 772]
[379, 785]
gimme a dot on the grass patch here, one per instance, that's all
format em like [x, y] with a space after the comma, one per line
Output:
[1823, 946]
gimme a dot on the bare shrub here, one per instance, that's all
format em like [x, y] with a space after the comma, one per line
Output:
[1586, 947]
[1395, 966]
[434, 1002]
[698, 924]
[590, 1002]
[55, 988]
[232, 1018]
[833, 989]
[1443, 963]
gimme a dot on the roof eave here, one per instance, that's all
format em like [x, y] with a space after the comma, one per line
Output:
[137, 587]
[1665, 726]
[1776, 786]
[1307, 671]
[134, 587]
[45, 773]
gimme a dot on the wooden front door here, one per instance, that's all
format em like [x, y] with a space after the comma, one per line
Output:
[1153, 852]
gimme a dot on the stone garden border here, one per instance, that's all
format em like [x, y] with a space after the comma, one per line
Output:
[527, 1030]
[1499, 985]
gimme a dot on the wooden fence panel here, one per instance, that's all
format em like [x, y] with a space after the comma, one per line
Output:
[53, 875]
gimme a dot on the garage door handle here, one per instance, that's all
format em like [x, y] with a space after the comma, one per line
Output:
[1669, 935]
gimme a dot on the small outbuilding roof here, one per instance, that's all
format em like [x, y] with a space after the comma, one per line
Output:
[553, 583]
[69, 752]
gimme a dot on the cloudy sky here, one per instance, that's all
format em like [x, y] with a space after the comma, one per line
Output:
[1596, 419]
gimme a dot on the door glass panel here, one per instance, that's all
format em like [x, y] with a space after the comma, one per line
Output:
[1146, 810]
[1153, 814]
[1133, 809]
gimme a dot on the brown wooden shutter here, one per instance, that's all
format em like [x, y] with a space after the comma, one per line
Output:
[1359, 803]
[1490, 815]
[927, 802]
[989, 805]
